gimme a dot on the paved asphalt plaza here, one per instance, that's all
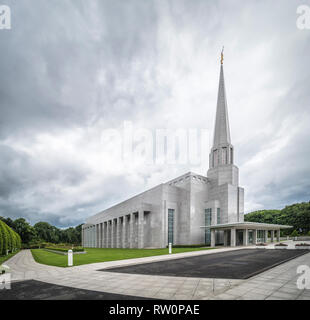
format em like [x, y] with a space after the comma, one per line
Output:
[240, 264]
[37, 290]
[89, 282]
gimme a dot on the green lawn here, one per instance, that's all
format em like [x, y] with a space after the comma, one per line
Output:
[101, 255]
[10, 255]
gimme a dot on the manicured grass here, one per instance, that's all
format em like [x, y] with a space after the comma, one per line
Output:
[5, 258]
[101, 255]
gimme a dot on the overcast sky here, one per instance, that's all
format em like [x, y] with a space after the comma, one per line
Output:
[69, 70]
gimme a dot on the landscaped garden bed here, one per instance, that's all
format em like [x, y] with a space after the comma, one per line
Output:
[302, 246]
[261, 245]
[280, 246]
[64, 250]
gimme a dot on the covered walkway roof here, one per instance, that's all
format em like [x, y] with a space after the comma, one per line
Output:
[248, 225]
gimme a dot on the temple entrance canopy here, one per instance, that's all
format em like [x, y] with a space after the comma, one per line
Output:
[245, 233]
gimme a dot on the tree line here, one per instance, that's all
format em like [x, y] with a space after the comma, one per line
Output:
[43, 232]
[296, 215]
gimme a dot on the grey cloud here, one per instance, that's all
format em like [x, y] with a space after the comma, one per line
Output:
[69, 66]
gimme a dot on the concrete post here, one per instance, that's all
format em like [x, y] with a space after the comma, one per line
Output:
[232, 237]
[278, 235]
[254, 236]
[141, 229]
[272, 235]
[212, 238]
[70, 258]
[245, 237]
[170, 248]
[266, 235]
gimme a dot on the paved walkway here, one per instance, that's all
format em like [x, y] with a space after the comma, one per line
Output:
[277, 283]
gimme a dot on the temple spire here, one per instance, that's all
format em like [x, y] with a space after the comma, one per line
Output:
[221, 131]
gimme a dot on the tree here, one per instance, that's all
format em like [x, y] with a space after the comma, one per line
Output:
[9, 239]
[296, 215]
[294, 233]
[25, 230]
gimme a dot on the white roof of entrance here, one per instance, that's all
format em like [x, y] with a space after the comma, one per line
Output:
[248, 225]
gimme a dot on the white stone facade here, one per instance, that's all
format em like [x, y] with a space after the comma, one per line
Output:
[192, 200]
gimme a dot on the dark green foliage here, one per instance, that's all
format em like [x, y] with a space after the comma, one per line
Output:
[65, 249]
[296, 215]
[294, 234]
[9, 239]
[34, 236]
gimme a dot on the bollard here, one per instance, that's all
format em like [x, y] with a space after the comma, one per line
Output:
[70, 258]
[170, 248]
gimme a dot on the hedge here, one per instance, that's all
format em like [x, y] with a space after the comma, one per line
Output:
[76, 249]
[10, 241]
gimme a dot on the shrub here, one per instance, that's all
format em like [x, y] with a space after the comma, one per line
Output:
[302, 245]
[1, 239]
[9, 239]
[294, 233]
[281, 245]
[76, 249]
[5, 238]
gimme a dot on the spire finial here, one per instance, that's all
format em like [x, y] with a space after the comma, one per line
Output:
[222, 55]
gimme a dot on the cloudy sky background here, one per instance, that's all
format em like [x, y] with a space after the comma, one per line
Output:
[71, 69]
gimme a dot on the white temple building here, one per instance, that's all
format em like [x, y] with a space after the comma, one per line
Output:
[189, 210]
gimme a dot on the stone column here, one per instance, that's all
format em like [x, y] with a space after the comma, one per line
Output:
[278, 235]
[91, 237]
[212, 238]
[86, 237]
[82, 237]
[272, 235]
[97, 236]
[108, 245]
[124, 237]
[131, 227]
[245, 237]
[112, 234]
[100, 235]
[232, 237]
[118, 221]
[254, 236]
[141, 229]
[225, 238]
[266, 235]
[105, 234]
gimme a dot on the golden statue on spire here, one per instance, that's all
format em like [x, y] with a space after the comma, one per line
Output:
[222, 55]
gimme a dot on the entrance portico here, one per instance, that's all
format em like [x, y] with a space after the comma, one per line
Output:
[245, 233]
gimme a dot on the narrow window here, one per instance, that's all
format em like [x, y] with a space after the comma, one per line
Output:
[208, 214]
[224, 155]
[170, 225]
[218, 216]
